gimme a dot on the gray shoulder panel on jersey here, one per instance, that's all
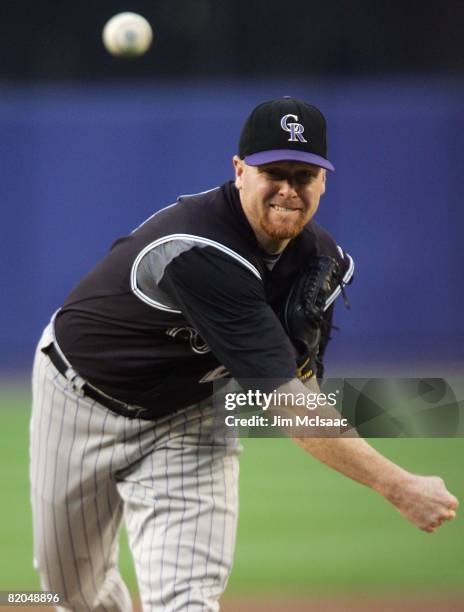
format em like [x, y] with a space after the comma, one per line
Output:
[150, 264]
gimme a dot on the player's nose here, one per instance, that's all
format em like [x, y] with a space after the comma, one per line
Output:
[287, 189]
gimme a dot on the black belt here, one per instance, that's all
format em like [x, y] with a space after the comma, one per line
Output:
[89, 390]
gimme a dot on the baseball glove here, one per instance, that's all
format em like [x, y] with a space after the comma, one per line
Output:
[303, 315]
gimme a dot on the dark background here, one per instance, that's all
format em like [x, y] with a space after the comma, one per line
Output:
[59, 39]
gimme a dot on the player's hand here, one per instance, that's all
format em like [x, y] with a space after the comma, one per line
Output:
[424, 500]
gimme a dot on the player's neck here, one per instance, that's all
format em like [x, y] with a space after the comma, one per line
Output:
[270, 245]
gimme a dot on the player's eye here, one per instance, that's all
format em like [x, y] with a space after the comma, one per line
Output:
[275, 176]
[305, 177]
[301, 178]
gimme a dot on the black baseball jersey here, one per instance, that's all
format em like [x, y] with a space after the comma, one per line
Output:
[186, 298]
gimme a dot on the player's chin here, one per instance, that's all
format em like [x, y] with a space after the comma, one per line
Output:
[284, 229]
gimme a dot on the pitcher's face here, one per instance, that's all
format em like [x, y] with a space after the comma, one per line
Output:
[279, 198]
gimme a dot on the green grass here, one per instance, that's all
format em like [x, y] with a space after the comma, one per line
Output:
[306, 528]
[303, 528]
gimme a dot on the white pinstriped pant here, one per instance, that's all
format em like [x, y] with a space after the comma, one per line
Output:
[175, 481]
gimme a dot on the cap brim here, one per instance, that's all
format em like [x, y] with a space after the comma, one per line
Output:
[266, 157]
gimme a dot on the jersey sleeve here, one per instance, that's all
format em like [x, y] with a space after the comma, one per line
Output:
[224, 300]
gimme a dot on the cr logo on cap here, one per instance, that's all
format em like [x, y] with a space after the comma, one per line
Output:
[296, 129]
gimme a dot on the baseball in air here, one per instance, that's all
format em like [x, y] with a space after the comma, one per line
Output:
[127, 35]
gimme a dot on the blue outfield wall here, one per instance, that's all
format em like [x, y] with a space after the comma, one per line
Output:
[81, 165]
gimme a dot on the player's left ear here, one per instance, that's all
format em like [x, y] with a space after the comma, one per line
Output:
[323, 177]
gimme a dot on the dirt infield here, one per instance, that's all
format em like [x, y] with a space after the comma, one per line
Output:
[344, 605]
[340, 604]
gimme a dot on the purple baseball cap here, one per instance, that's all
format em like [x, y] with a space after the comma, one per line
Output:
[285, 129]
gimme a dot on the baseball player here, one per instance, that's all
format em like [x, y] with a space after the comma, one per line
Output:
[123, 421]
